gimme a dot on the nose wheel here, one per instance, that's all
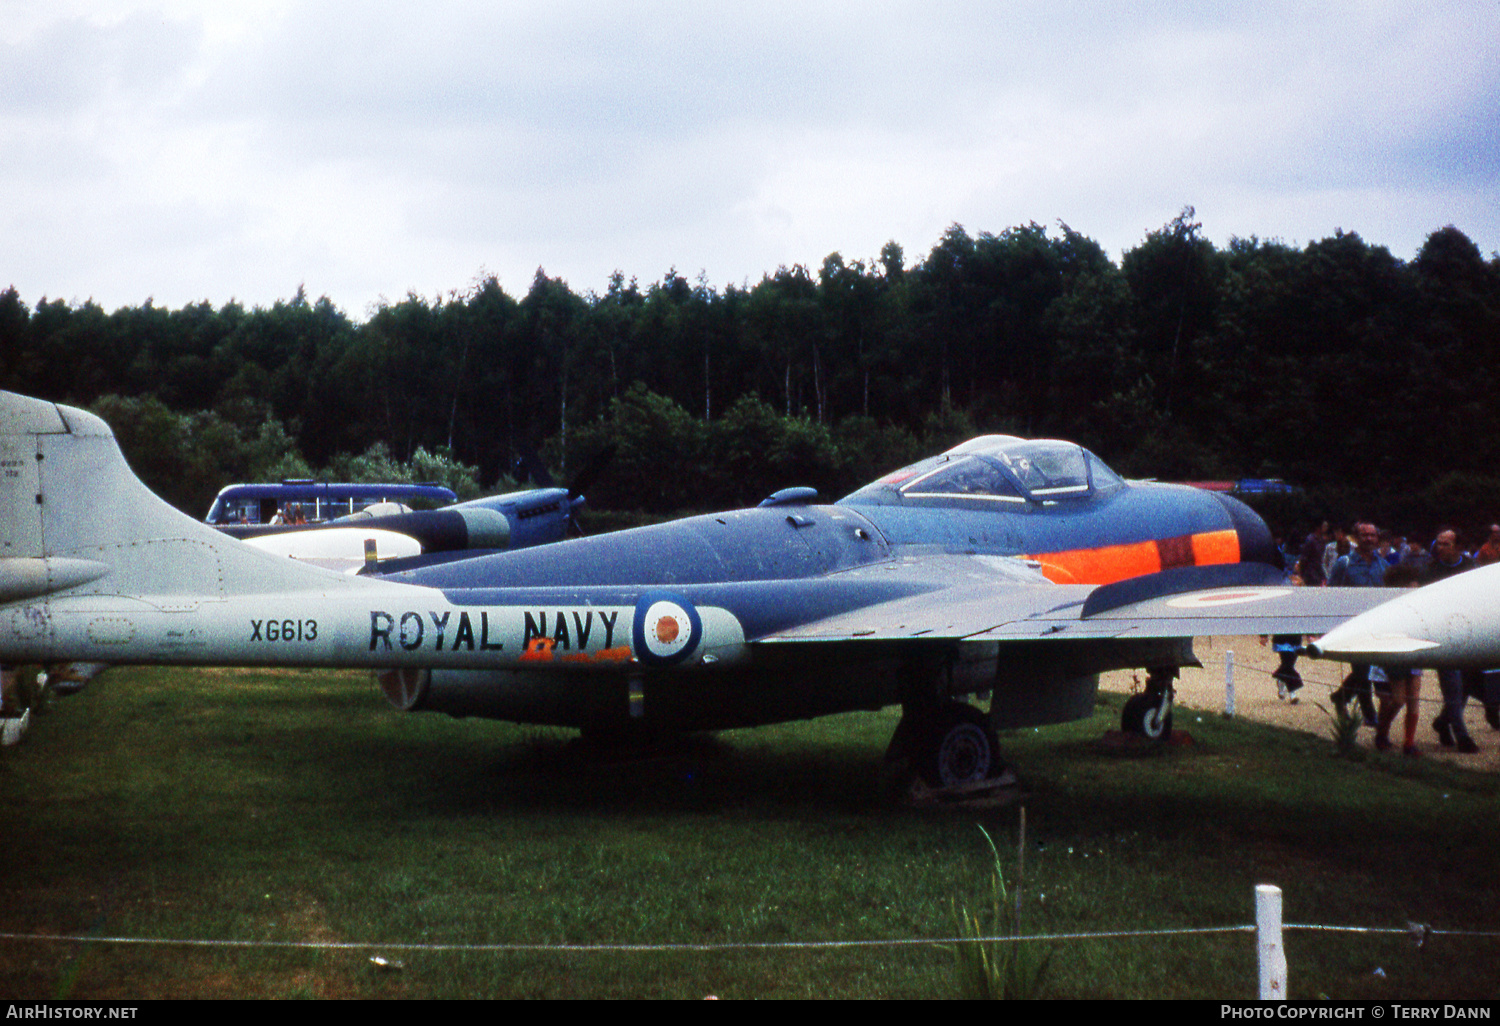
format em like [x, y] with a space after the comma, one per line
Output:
[1149, 714]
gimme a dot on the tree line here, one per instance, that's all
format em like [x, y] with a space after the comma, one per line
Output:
[1360, 377]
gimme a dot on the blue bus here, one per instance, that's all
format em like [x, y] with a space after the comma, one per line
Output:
[318, 500]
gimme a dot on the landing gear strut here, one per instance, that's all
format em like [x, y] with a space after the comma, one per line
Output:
[15, 709]
[1149, 714]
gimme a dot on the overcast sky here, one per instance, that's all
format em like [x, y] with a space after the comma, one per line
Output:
[190, 151]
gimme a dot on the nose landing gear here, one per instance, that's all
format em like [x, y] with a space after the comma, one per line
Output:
[1149, 714]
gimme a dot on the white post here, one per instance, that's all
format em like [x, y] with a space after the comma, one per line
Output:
[1229, 683]
[1270, 955]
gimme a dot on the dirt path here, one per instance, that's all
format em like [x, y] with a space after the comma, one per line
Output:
[1255, 698]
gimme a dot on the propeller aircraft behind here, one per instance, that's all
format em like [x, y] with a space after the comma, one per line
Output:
[1017, 568]
[512, 520]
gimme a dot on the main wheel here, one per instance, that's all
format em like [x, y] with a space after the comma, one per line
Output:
[960, 747]
[1142, 716]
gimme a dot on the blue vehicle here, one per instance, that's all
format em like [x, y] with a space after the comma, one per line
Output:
[514, 520]
[319, 500]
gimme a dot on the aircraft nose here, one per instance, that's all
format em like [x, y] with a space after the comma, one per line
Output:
[1256, 544]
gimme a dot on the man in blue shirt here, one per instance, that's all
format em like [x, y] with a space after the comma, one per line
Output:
[1361, 568]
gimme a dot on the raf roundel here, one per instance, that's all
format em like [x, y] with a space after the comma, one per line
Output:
[667, 629]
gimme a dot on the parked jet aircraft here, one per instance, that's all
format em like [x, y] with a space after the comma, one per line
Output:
[1017, 568]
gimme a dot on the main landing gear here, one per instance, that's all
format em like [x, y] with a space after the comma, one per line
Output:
[949, 744]
[1149, 713]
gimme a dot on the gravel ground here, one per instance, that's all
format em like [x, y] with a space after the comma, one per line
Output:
[1255, 698]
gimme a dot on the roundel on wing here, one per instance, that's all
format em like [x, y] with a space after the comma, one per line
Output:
[667, 628]
[1210, 599]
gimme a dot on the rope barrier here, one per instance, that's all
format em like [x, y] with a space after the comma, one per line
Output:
[586, 948]
[729, 945]
[1408, 931]
[1329, 687]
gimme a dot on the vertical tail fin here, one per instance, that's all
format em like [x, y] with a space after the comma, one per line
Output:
[22, 422]
[74, 517]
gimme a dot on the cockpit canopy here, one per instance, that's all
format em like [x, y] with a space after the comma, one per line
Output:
[995, 469]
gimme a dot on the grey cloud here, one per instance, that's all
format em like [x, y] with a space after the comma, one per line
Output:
[73, 64]
[362, 143]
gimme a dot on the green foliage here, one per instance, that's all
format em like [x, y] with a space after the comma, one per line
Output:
[187, 458]
[1343, 724]
[665, 459]
[1467, 501]
[754, 452]
[184, 458]
[659, 453]
[273, 456]
[445, 470]
[1337, 366]
[378, 464]
[868, 449]
[374, 464]
[993, 970]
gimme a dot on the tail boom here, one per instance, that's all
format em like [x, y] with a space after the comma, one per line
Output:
[94, 568]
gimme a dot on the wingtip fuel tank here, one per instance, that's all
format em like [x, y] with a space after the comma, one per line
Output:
[1453, 623]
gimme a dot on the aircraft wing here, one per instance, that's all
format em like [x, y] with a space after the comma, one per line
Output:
[985, 602]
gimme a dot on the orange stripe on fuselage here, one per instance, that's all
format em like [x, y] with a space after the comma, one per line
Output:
[1216, 547]
[1112, 563]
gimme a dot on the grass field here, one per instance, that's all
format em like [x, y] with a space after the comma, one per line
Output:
[294, 806]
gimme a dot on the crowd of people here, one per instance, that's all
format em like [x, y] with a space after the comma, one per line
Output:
[1367, 557]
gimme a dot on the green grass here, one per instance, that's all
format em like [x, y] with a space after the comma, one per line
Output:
[296, 806]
